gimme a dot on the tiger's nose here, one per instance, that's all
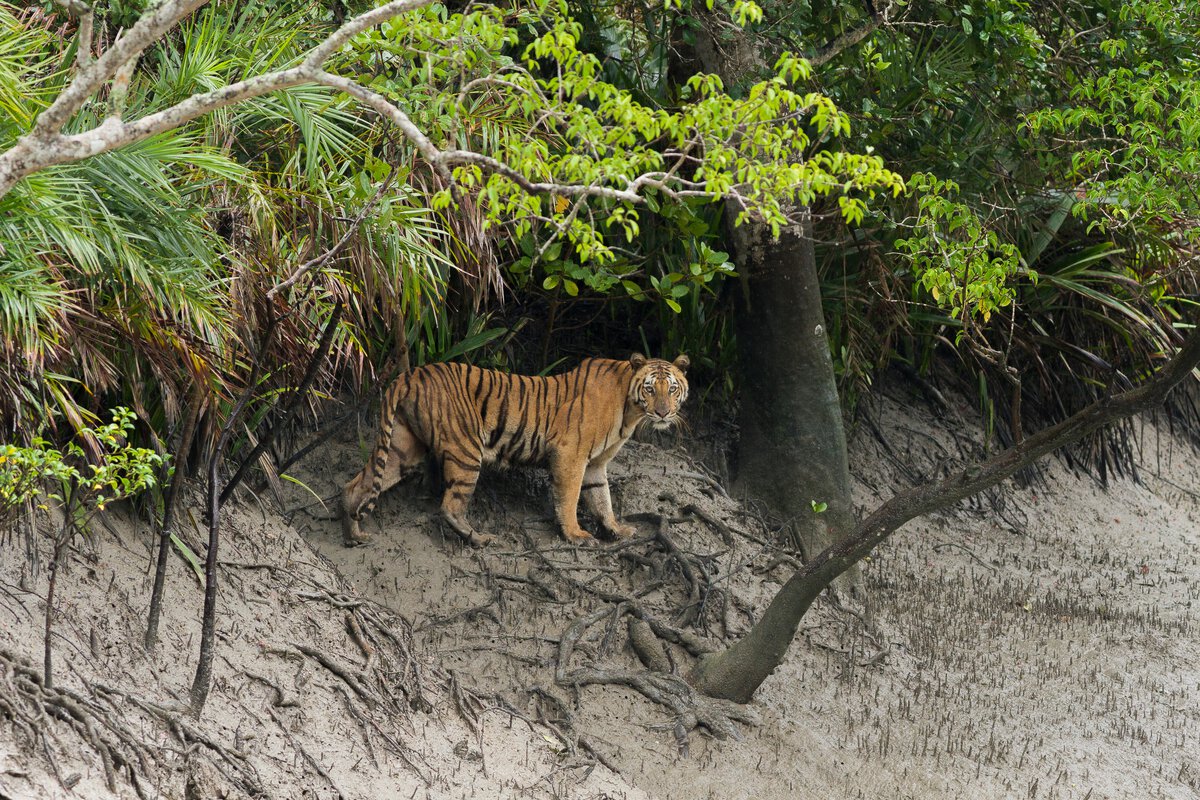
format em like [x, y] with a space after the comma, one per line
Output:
[662, 409]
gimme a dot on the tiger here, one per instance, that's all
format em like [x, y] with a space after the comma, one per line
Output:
[466, 416]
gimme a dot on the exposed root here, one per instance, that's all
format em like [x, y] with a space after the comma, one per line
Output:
[564, 720]
[691, 709]
[378, 695]
[356, 633]
[469, 706]
[386, 667]
[28, 703]
[707, 480]
[350, 678]
[720, 527]
[280, 699]
[649, 648]
[364, 726]
[232, 764]
[487, 609]
[664, 593]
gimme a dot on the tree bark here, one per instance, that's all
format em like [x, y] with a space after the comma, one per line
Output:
[792, 447]
[791, 451]
[736, 673]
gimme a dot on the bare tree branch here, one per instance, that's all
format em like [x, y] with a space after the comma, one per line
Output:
[120, 89]
[831, 49]
[336, 40]
[83, 42]
[46, 145]
[388, 110]
[153, 23]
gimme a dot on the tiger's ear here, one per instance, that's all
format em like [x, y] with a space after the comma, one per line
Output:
[637, 360]
[682, 363]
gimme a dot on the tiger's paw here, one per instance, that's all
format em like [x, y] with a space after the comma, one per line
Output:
[352, 535]
[621, 530]
[459, 523]
[578, 536]
[479, 539]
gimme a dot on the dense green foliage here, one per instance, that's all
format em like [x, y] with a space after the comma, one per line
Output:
[1049, 236]
[1047, 231]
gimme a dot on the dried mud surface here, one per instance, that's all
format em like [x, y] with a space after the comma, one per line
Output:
[1041, 642]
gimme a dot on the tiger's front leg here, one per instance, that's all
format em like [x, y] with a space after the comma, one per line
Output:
[567, 477]
[599, 500]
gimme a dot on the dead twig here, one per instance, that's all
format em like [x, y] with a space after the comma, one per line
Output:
[290, 404]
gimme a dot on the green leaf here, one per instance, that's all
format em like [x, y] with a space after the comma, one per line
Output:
[188, 556]
[472, 343]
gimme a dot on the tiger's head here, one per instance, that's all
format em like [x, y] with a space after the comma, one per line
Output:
[658, 388]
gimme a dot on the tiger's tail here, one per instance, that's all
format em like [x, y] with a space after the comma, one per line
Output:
[356, 502]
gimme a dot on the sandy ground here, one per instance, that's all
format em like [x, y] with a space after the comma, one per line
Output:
[278, 723]
[1040, 643]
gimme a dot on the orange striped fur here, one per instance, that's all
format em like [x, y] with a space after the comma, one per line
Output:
[467, 417]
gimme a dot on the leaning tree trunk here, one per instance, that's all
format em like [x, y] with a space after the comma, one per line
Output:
[736, 673]
[792, 447]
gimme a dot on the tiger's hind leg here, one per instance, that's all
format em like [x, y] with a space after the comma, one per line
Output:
[460, 473]
[397, 453]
